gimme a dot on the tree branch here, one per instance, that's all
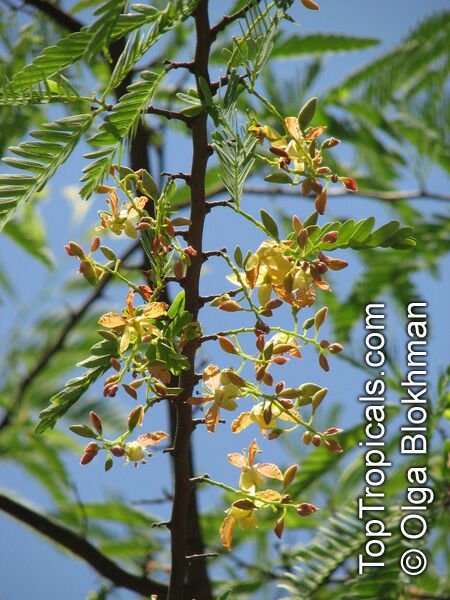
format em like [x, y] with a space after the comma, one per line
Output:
[228, 19]
[197, 587]
[387, 196]
[55, 13]
[82, 548]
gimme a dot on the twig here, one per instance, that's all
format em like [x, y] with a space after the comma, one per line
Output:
[82, 548]
[168, 114]
[361, 193]
[228, 19]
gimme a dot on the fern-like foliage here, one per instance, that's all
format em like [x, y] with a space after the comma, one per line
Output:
[136, 46]
[69, 50]
[39, 159]
[118, 127]
[252, 50]
[337, 545]
[108, 14]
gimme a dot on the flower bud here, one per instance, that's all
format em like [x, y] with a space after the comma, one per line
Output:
[333, 431]
[316, 440]
[335, 348]
[318, 397]
[115, 364]
[321, 202]
[117, 451]
[230, 306]
[130, 391]
[278, 151]
[95, 244]
[180, 221]
[330, 237]
[86, 458]
[96, 422]
[143, 226]
[350, 184]
[234, 378]
[333, 446]
[260, 373]
[89, 273]
[320, 317]
[279, 527]
[190, 251]
[267, 378]
[260, 343]
[323, 170]
[323, 362]
[305, 509]
[135, 417]
[289, 475]
[178, 269]
[307, 437]
[334, 178]
[274, 303]
[330, 143]
[287, 404]
[74, 249]
[306, 187]
[279, 387]
[290, 393]
[280, 360]
[324, 344]
[336, 264]
[302, 238]
[226, 345]
[297, 225]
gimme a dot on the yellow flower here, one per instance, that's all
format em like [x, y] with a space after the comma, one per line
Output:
[265, 415]
[136, 322]
[223, 394]
[135, 451]
[122, 219]
[253, 475]
[246, 519]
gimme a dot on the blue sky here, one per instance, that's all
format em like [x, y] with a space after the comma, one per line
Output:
[29, 563]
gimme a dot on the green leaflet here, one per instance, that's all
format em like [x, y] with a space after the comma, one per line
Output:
[67, 51]
[55, 142]
[316, 44]
[359, 236]
[117, 128]
[136, 47]
[102, 352]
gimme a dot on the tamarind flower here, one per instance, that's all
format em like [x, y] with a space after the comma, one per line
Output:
[265, 415]
[135, 323]
[223, 394]
[253, 475]
[135, 451]
[270, 269]
[121, 219]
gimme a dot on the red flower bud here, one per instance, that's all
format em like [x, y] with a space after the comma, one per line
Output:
[350, 184]
[330, 237]
[305, 509]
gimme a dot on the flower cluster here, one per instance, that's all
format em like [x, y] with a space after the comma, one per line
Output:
[243, 512]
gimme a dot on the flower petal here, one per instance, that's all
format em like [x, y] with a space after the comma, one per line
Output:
[241, 422]
[211, 377]
[226, 531]
[269, 470]
[112, 320]
[236, 459]
[252, 450]
[212, 418]
[155, 309]
[150, 439]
